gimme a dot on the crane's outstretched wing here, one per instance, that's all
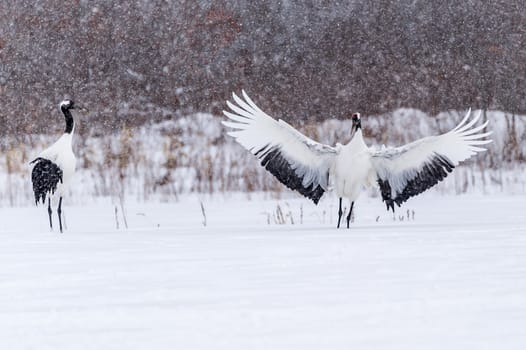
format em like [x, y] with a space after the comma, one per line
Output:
[294, 159]
[406, 171]
[45, 177]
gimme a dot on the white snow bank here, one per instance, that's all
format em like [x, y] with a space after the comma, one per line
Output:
[192, 154]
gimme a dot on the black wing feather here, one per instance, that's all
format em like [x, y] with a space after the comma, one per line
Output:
[278, 166]
[45, 177]
[433, 172]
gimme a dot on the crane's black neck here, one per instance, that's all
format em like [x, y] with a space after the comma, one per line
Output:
[70, 123]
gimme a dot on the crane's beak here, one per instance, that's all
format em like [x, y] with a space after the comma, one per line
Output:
[81, 109]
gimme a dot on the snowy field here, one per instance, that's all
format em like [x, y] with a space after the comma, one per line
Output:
[452, 277]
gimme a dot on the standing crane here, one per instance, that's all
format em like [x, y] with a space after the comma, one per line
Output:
[54, 167]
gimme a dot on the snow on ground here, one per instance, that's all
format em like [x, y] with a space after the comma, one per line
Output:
[452, 278]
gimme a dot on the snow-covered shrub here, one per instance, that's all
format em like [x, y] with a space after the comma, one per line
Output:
[193, 154]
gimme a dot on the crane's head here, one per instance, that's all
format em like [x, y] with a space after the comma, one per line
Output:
[356, 123]
[69, 104]
[65, 107]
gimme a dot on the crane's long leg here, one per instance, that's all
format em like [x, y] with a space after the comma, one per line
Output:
[59, 212]
[350, 213]
[49, 211]
[340, 213]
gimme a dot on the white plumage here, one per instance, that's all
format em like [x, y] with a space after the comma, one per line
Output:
[309, 167]
[55, 166]
[61, 154]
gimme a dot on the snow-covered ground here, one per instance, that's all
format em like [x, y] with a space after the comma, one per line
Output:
[454, 277]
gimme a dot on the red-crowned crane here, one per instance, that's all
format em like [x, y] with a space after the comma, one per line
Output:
[308, 167]
[54, 167]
